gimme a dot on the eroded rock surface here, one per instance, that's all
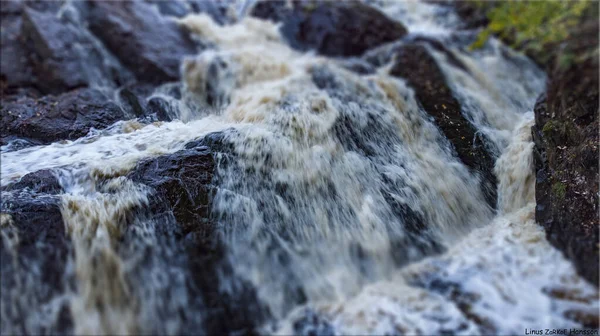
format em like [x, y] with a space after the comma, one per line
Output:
[52, 118]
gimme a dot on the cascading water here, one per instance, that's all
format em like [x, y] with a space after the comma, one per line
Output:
[340, 200]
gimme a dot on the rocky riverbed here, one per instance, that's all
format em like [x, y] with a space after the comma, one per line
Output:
[291, 167]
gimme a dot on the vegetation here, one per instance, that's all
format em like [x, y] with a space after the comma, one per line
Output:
[559, 189]
[531, 26]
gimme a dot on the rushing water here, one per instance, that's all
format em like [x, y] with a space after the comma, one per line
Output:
[308, 210]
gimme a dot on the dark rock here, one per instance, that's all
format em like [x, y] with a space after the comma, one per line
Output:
[239, 311]
[331, 28]
[51, 118]
[437, 46]
[276, 10]
[63, 56]
[311, 323]
[473, 15]
[566, 160]
[131, 102]
[15, 69]
[161, 108]
[37, 217]
[453, 291]
[40, 182]
[151, 45]
[182, 182]
[414, 63]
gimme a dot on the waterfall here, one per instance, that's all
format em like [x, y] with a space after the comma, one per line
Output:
[338, 200]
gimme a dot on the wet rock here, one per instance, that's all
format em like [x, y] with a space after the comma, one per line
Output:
[238, 311]
[52, 118]
[453, 291]
[566, 159]
[149, 44]
[438, 45]
[311, 323]
[182, 182]
[40, 182]
[131, 102]
[161, 108]
[331, 28]
[37, 217]
[420, 70]
[63, 56]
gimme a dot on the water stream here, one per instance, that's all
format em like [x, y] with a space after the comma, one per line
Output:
[362, 226]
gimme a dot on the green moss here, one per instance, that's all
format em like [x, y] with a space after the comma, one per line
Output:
[532, 25]
[549, 127]
[559, 190]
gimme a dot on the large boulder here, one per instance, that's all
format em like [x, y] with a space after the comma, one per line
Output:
[332, 28]
[566, 160]
[52, 118]
[149, 44]
[416, 65]
[15, 70]
[63, 56]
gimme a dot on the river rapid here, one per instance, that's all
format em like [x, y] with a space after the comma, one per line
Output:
[308, 212]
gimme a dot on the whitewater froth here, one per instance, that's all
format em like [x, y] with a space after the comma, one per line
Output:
[339, 196]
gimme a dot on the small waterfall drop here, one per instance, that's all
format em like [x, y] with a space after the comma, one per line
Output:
[338, 199]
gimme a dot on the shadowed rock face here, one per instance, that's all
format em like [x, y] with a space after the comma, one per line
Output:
[150, 45]
[566, 140]
[420, 70]
[15, 70]
[63, 56]
[52, 118]
[331, 28]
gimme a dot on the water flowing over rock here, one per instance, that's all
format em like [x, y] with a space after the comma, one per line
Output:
[415, 64]
[34, 249]
[277, 168]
